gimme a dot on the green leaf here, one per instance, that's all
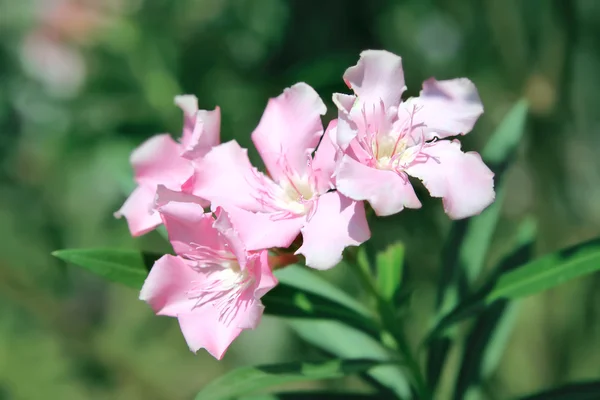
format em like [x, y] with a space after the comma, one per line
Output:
[288, 301]
[507, 136]
[306, 279]
[346, 342]
[548, 271]
[574, 391]
[243, 381]
[389, 270]
[317, 396]
[129, 267]
[469, 239]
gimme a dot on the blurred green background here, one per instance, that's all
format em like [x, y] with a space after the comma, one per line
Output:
[82, 82]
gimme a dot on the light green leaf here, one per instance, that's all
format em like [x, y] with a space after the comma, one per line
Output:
[128, 267]
[346, 342]
[389, 270]
[548, 271]
[246, 380]
[507, 135]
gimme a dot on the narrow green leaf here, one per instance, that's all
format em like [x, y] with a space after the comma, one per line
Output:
[289, 301]
[305, 279]
[548, 271]
[507, 135]
[574, 391]
[346, 342]
[243, 381]
[317, 396]
[129, 267]
[389, 270]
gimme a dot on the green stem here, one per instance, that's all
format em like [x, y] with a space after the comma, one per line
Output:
[389, 323]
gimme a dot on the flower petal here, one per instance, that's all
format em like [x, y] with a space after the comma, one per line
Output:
[138, 211]
[386, 191]
[267, 279]
[376, 78]
[167, 284]
[289, 130]
[462, 180]
[338, 222]
[189, 227]
[189, 105]
[205, 134]
[224, 176]
[259, 230]
[226, 228]
[158, 161]
[350, 120]
[203, 329]
[447, 108]
[325, 159]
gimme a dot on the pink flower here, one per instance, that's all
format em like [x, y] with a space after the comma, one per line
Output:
[297, 197]
[162, 161]
[385, 140]
[214, 285]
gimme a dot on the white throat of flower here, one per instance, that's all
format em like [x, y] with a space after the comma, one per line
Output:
[222, 284]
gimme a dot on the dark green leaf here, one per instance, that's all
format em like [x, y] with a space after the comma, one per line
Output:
[246, 380]
[129, 267]
[389, 270]
[548, 271]
[574, 391]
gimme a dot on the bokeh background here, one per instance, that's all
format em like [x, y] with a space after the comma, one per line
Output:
[82, 82]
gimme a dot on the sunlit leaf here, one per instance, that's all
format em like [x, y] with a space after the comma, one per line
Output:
[246, 380]
[317, 396]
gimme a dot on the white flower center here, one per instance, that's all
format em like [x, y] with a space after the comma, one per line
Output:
[296, 194]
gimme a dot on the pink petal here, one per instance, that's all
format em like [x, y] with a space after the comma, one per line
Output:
[289, 130]
[447, 108]
[377, 77]
[203, 329]
[324, 161]
[338, 222]
[224, 176]
[462, 180]
[158, 161]
[166, 286]
[350, 120]
[224, 226]
[259, 230]
[165, 195]
[386, 191]
[189, 105]
[267, 279]
[205, 135]
[189, 227]
[139, 212]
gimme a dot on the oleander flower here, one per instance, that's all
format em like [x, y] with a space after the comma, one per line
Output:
[384, 140]
[161, 160]
[297, 196]
[214, 284]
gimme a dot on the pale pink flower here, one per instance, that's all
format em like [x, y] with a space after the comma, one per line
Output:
[161, 160]
[385, 140]
[297, 197]
[214, 285]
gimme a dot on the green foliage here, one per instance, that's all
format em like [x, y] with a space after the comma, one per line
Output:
[390, 265]
[129, 267]
[247, 380]
[574, 391]
[548, 271]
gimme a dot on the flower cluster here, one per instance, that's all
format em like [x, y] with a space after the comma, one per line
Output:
[311, 198]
